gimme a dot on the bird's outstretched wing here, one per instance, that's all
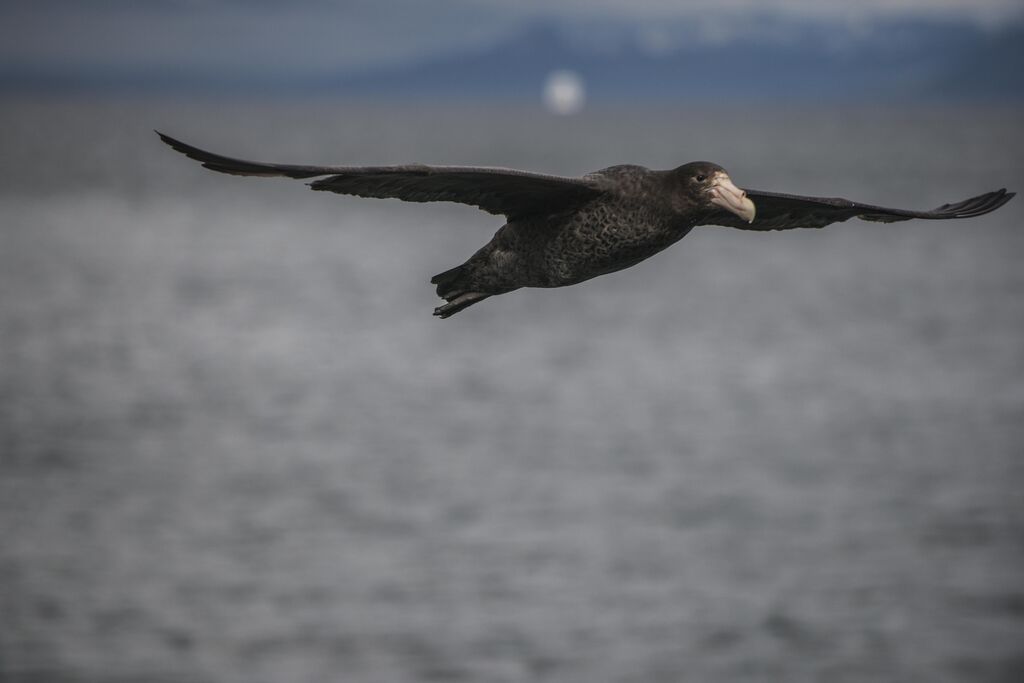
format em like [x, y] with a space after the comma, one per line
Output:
[785, 211]
[495, 190]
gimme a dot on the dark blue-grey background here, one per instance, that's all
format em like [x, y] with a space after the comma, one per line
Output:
[235, 446]
[651, 50]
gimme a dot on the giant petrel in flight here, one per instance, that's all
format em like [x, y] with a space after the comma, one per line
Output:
[561, 230]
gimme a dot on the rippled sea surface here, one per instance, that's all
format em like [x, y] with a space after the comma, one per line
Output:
[235, 445]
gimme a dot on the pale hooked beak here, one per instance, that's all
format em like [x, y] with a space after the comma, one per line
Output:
[731, 198]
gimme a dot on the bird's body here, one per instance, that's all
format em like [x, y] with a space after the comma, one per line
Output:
[561, 231]
[628, 223]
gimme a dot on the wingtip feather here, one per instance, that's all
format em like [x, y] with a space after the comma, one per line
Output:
[975, 206]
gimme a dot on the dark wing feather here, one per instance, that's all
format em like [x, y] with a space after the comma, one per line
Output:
[495, 190]
[785, 211]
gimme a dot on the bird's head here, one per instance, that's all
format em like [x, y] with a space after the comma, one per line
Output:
[704, 185]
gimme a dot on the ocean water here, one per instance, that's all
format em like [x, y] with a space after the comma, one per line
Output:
[235, 446]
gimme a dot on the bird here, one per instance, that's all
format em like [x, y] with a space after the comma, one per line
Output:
[562, 230]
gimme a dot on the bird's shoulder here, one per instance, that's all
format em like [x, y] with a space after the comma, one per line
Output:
[623, 179]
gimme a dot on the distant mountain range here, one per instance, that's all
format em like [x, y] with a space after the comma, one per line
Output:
[896, 60]
[902, 60]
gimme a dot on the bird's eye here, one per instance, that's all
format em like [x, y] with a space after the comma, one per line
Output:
[701, 178]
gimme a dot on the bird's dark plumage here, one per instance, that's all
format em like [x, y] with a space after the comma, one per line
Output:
[786, 211]
[494, 190]
[563, 230]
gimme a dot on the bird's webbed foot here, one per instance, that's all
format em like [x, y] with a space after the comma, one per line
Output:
[459, 302]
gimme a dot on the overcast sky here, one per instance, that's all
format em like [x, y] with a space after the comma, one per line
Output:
[333, 35]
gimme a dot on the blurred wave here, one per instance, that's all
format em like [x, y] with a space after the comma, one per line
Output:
[235, 445]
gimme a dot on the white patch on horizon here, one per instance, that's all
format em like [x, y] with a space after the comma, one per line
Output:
[564, 92]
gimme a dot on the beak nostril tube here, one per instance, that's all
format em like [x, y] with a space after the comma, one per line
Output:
[731, 198]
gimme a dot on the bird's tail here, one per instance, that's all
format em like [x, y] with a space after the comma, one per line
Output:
[447, 279]
[451, 288]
